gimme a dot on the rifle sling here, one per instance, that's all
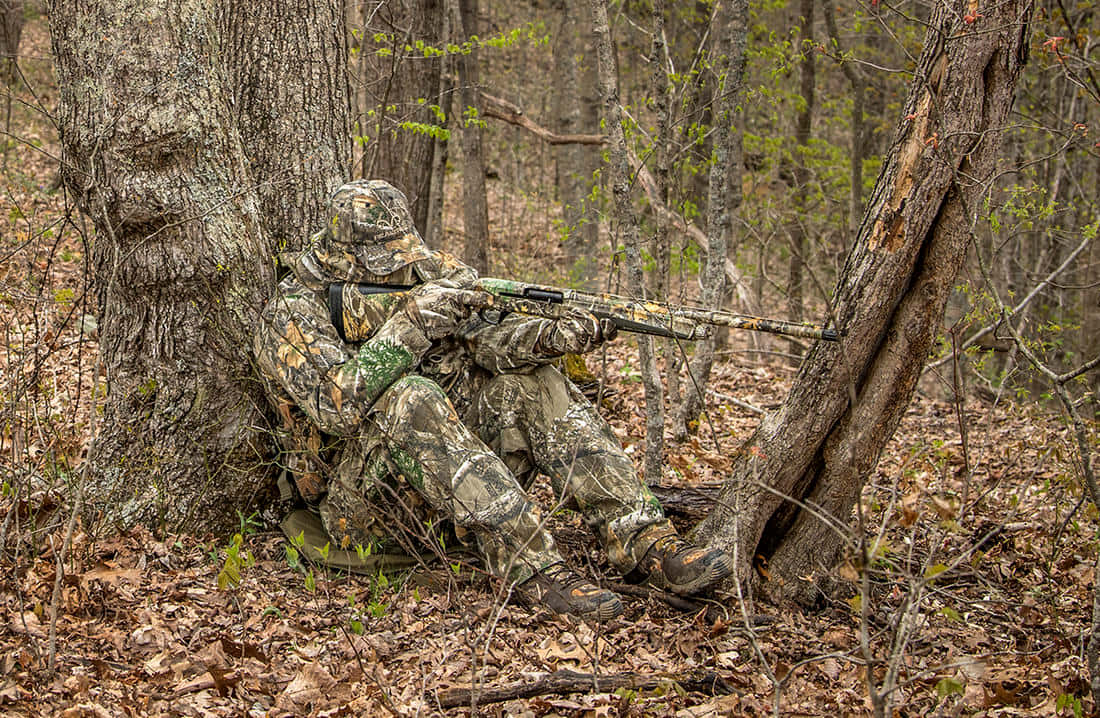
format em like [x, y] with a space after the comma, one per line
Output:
[336, 308]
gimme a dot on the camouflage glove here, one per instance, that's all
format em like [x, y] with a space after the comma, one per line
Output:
[579, 332]
[439, 310]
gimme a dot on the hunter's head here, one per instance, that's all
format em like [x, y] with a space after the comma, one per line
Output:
[369, 227]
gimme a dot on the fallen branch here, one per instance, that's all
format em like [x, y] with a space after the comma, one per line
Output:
[679, 603]
[692, 502]
[565, 681]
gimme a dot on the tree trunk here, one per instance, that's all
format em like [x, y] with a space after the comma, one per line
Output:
[848, 397]
[286, 64]
[475, 208]
[151, 128]
[660, 90]
[575, 106]
[732, 29]
[11, 29]
[399, 75]
[800, 244]
[621, 177]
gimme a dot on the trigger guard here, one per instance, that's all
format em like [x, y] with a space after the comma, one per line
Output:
[491, 316]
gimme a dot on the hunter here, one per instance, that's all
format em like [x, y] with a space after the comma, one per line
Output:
[415, 388]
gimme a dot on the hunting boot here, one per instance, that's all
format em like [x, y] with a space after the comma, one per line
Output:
[563, 590]
[674, 564]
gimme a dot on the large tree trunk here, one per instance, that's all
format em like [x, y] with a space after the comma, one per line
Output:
[401, 151]
[288, 72]
[151, 129]
[848, 397]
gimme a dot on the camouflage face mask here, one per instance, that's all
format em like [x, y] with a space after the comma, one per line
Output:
[369, 226]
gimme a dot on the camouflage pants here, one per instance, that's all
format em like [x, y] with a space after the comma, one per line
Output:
[525, 424]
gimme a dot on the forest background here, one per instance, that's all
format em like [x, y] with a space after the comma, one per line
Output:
[964, 578]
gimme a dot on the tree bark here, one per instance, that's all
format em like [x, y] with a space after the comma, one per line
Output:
[151, 128]
[286, 65]
[625, 215]
[848, 398]
[475, 207]
[576, 108]
[399, 76]
[11, 30]
[660, 89]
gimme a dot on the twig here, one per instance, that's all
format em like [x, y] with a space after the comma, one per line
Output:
[566, 681]
[738, 402]
[677, 602]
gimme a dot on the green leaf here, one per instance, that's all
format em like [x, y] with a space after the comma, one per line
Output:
[933, 571]
[949, 686]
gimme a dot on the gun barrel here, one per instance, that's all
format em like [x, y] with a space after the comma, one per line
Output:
[757, 324]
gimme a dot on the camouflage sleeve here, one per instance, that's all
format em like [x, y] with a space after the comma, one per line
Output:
[334, 384]
[517, 343]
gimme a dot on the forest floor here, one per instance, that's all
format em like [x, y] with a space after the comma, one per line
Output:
[977, 600]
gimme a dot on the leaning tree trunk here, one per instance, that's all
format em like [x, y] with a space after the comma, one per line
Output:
[150, 122]
[848, 398]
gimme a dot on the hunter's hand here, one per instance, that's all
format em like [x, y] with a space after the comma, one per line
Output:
[438, 310]
[579, 332]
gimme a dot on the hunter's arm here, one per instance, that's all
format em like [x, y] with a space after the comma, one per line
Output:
[297, 347]
[517, 343]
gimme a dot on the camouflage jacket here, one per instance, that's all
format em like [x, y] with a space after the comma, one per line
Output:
[323, 387]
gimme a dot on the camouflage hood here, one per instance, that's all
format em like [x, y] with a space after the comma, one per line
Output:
[369, 234]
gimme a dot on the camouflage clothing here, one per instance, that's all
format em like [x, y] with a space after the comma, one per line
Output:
[456, 412]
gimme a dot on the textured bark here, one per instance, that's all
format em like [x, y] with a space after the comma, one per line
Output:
[661, 247]
[848, 397]
[395, 82]
[475, 206]
[11, 30]
[576, 108]
[150, 124]
[287, 69]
